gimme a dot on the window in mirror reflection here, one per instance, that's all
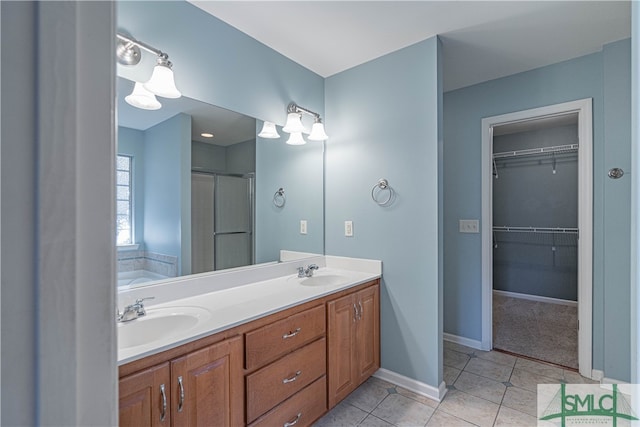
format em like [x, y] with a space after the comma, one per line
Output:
[124, 200]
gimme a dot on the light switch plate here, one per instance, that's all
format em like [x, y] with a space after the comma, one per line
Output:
[469, 226]
[348, 228]
[303, 226]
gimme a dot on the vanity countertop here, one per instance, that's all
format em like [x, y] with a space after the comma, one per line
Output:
[223, 309]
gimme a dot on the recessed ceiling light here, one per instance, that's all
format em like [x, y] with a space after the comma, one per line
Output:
[206, 135]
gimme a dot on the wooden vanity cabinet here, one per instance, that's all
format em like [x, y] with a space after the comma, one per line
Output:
[353, 341]
[144, 398]
[203, 388]
[288, 368]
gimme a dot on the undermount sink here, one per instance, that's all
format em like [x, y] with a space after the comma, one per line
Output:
[322, 280]
[159, 324]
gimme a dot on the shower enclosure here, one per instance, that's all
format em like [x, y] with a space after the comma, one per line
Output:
[221, 221]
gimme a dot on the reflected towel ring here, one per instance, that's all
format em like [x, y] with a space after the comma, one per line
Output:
[279, 199]
[382, 185]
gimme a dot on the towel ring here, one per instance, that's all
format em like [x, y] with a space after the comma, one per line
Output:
[382, 185]
[279, 199]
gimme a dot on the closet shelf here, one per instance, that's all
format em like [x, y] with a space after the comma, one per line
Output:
[542, 230]
[558, 149]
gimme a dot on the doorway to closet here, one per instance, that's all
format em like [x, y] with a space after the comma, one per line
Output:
[536, 234]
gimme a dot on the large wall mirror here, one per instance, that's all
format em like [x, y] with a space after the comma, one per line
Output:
[198, 191]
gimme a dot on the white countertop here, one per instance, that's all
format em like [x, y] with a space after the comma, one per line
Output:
[226, 308]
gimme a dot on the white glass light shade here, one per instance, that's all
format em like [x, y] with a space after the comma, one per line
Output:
[269, 131]
[294, 124]
[161, 82]
[296, 139]
[142, 98]
[317, 132]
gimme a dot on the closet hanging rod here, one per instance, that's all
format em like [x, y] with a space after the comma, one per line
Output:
[544, 230]
[558, 149]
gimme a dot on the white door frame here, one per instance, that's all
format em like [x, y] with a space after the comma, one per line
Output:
[585, 220]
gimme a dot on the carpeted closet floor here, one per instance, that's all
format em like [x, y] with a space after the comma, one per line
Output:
[540, 330]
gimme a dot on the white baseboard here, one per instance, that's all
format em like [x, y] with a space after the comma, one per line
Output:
[597, 375]
[536, 298]
[462, 340]
[410, 384]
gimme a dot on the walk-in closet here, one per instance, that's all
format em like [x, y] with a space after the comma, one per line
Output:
[535, 239]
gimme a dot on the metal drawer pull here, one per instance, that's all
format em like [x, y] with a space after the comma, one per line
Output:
[291, 334]
[181, 401]
[355, 313]
[164, 403]
[294, 422]
[360, 305]
[292, 379]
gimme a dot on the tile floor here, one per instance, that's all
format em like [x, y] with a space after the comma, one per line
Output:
[485, 388]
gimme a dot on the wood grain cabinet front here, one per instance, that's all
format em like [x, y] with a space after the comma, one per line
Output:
[276, 382]
[281, 337]
[201, 388]
[353, 341]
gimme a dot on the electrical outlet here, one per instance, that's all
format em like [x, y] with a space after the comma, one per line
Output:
[303, 226]
[469, 226]
[348, 228]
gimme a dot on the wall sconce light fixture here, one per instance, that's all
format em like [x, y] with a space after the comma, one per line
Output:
[161, 82]
[295, 128]
[269, 131]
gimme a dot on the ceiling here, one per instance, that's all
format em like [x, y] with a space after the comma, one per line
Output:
[482, 40]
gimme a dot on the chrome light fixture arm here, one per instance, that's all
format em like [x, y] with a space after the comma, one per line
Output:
[295, 108]
[127, 50]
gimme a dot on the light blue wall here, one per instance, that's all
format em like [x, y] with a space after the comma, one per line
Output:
[219, 65]
[131, 143]
[208, 157]
[635, 212]
[296, 169]
[384, 120]
[241, 157]
[167, 226]
[601, 76]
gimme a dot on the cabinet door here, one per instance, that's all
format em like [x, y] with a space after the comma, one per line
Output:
[144, 398]
[207, 386]
[341, 344]
[368, 332]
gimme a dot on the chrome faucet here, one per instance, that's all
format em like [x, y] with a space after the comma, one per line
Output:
[307, 272]
[133, 311]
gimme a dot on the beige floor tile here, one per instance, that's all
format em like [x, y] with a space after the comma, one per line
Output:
[402, 411]
[470, 408]
[417, 397]
[521, 400]
[529, 380]
[482, 387]
[489, 369]
[442, 419]
[367, 396]
[497, 357]
[448, 345]
[575, 378]
[380, 383]
[508, 417]
[342, 415]
[372, 421]
[540, 368]
[450, 374]
[455, 359]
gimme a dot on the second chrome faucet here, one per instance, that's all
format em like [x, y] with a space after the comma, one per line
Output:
[307, 272]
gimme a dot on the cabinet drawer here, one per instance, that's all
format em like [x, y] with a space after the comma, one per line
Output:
[274, 383]
[269, 342]
[302, 408]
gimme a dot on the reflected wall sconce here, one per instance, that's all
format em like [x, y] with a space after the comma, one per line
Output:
[295, 128]
[161, 82]
[269, 131]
